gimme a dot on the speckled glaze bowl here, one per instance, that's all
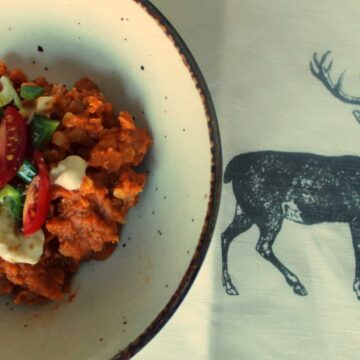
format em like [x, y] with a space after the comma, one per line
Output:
[143, 66]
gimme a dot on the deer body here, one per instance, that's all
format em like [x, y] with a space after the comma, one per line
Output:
[320, 188]
[271, 187]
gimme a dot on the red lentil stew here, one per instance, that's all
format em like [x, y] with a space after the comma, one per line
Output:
[68, 177]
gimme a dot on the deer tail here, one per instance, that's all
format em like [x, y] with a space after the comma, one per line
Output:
[230, 171]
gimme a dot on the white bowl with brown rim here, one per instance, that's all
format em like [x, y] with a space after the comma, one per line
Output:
[142, 65]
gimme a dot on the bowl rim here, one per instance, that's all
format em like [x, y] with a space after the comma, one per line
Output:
[215, 189]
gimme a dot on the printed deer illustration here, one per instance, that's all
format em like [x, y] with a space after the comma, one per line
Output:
[271, 186]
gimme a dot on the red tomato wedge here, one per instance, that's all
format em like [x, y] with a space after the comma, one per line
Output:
[13, 143]
[37, 202]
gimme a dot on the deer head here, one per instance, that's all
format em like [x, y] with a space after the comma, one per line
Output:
[321, 68]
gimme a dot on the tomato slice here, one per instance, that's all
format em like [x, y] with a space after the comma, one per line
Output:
[37, 202]
[13, 143]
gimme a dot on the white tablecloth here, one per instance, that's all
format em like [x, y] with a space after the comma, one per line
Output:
[255, 56]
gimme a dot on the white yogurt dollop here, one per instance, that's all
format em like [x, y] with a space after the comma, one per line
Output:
[15, 247]
[69, 172]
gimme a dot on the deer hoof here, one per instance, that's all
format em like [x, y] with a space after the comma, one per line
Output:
[231, 289]
[300, 290]
[357, 294]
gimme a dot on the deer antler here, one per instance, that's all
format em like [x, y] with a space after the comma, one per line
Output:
[322, 72]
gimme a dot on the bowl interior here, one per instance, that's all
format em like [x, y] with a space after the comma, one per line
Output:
[127, 52]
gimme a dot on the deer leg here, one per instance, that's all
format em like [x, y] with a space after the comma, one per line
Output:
[240, 224]
[355, 233]
[264, 248]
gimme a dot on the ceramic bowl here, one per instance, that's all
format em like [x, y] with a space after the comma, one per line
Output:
[143, 66]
